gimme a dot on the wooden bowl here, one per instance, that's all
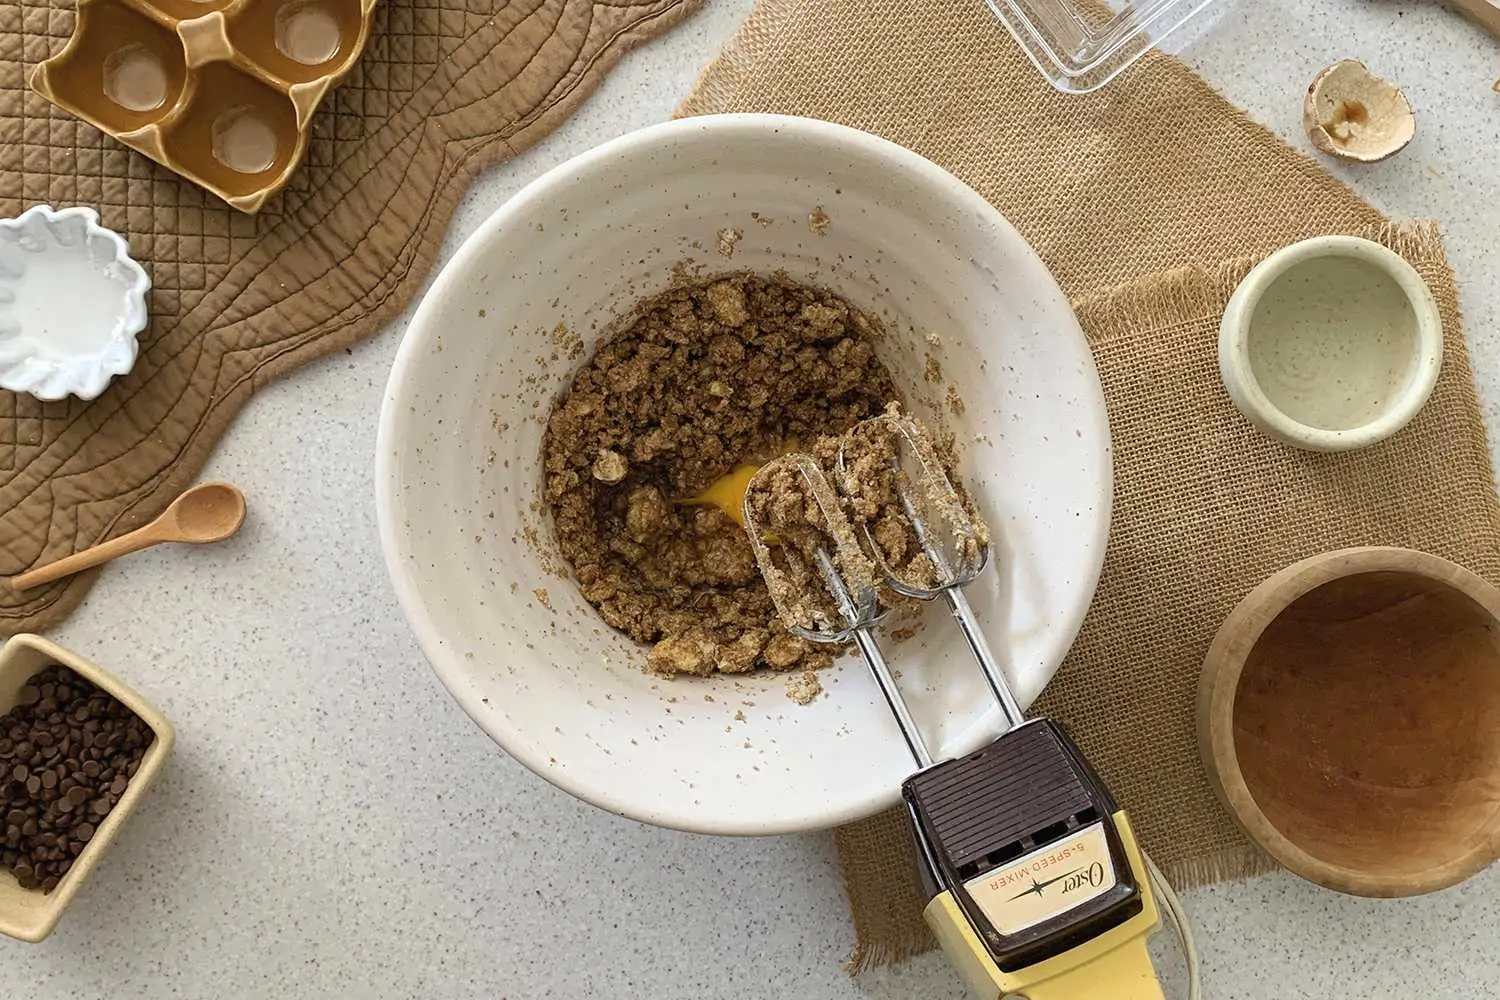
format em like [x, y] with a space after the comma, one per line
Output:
[1349, 719]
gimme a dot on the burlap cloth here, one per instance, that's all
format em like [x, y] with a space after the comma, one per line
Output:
[444, 89]
[1147, 201]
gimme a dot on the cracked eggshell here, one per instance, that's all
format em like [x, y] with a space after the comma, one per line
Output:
[1353, 114]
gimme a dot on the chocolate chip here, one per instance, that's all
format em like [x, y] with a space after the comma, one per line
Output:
[67, 750]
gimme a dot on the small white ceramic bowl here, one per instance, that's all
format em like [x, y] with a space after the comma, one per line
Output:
[458, 469]
[1331, 344]
[71, 303]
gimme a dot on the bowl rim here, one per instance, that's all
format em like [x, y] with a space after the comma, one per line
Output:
[1238, 372]
[107, 829]
[393, 415]
[1219, 684]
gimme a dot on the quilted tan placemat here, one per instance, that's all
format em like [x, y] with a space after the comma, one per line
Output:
[1154, 174]
[445, 88]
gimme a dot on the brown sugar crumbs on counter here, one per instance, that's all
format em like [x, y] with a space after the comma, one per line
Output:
[705, 378]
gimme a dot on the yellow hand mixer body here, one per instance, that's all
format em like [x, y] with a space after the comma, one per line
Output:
[1068, 921]
[1037, 886]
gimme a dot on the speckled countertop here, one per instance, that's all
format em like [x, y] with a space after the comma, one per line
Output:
[331, 825]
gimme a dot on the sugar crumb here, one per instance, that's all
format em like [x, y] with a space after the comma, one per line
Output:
[804, 687]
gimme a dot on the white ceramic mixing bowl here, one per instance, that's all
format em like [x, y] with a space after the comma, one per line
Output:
[470, 550]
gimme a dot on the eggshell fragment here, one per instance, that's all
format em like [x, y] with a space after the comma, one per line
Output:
[1355, 115]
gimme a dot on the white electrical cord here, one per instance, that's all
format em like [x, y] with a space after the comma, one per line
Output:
[1177, 917]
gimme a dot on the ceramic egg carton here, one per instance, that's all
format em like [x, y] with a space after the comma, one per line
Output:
[221, 91]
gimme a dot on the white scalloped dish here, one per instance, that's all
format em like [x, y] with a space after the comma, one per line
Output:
[71, 303]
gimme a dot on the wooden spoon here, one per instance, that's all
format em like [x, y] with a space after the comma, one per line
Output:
[209, 512]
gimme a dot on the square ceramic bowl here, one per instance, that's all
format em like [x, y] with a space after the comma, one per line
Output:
[28, 914]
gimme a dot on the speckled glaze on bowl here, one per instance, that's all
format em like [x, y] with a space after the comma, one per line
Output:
[458, 466]
[1331, 344]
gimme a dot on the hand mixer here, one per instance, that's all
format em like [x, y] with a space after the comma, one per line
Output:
[1037, 887]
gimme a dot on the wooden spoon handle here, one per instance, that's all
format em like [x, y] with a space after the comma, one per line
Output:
[1485, 13]
[89, 558]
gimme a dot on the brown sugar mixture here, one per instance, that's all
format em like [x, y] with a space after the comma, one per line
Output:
[882, 472]
[870, 479]
[849, 504]
[799, 515]
[706, 378]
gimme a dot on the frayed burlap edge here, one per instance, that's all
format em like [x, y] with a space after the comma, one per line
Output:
[886, 933]
[1191, 293]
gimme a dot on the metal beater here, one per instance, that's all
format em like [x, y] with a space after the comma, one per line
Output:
[854, 607]
[1037, 887]
[944, 525]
